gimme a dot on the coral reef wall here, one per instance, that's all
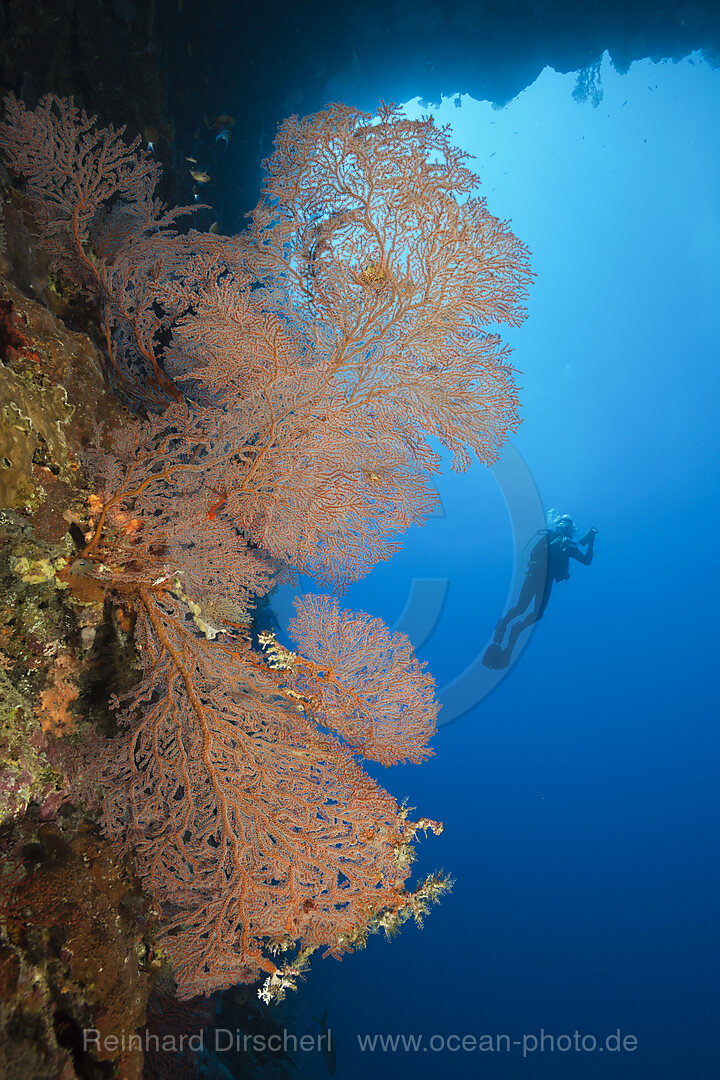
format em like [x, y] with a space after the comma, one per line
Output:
[76, 947]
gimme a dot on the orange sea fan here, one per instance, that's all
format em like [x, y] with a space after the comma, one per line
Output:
[363, 681]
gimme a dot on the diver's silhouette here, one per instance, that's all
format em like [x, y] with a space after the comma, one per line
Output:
[549, 562]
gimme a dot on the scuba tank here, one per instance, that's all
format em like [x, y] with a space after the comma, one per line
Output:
[546, 533]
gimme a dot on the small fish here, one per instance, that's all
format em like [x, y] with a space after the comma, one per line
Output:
[215, 227]
[151, 136]
[222, 127]
[199, 176]
[81, 567]
[226, 122]
[192, 160]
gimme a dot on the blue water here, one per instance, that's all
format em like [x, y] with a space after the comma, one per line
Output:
[579, 797]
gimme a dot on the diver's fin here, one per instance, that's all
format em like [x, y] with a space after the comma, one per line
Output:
[495, 657]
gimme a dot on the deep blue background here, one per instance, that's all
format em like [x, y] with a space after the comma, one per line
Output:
[579, 798]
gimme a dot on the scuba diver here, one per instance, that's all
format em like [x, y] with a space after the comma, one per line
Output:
[549, 561]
